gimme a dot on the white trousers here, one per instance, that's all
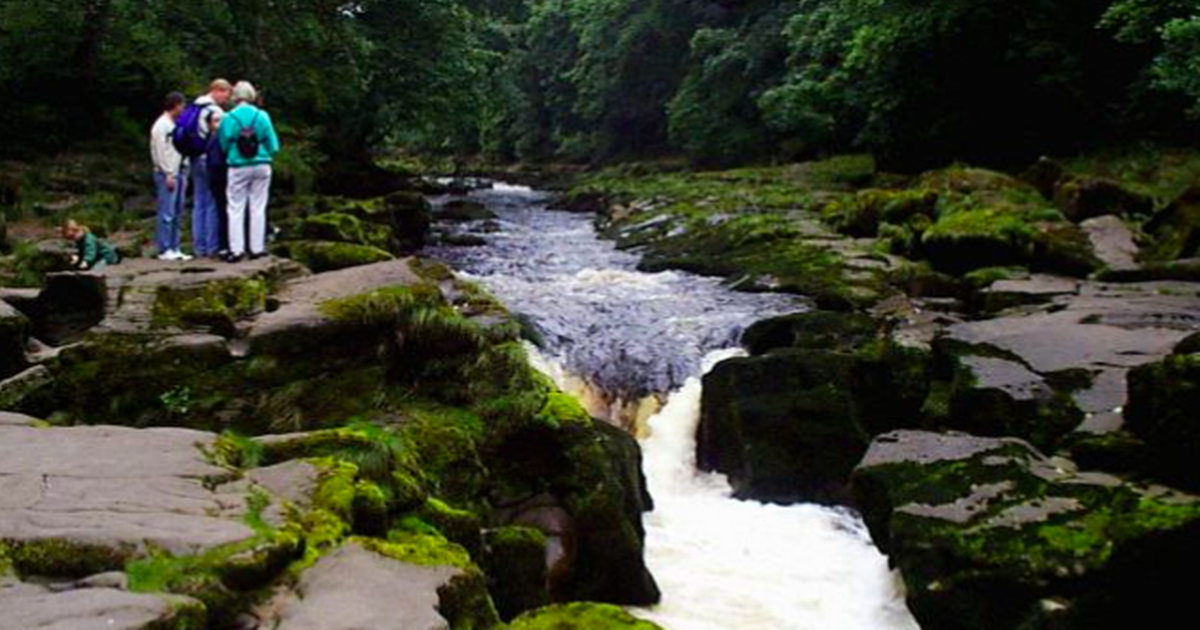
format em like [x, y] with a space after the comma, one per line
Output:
[249, 190]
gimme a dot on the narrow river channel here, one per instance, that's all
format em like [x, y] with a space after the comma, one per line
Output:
[626, 342]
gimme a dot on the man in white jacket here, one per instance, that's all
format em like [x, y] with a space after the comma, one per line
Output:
[170, 181]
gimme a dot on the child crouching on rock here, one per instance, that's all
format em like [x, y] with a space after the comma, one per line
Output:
[92, 252]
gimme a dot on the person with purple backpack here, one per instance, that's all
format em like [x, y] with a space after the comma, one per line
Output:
[192, 134]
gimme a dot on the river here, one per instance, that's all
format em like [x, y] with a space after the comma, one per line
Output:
[626, 342]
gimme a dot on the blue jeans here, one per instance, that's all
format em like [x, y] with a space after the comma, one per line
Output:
[205, 223]
[170, 209]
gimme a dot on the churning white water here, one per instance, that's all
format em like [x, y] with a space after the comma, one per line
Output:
[725, 564]
[722, 563]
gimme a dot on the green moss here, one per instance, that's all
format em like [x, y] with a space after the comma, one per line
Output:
[219, 303]
[516, 567]
[581, 616]
[462, 527]
[561, 408]
[61, 558]
[344, 228]
[419, 549]
[323, 256]
[234, 450]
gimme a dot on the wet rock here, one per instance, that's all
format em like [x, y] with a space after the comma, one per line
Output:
[463, 210]
[790, 423]
[988, 533]
[14, 335]
[1164, 400]
[1082, 198]
[28, 606]
[353, 587]
[1175, 230]
[782, 426]
[998, 397]
[1081, 343]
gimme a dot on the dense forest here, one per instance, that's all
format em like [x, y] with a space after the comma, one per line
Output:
[720, 81]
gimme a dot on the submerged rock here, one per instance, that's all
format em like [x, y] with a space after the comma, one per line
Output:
[463, 210]
[990, 534]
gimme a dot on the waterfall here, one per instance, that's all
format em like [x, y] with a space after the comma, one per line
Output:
[621, 339]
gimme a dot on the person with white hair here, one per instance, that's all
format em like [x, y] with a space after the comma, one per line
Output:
[248, 138]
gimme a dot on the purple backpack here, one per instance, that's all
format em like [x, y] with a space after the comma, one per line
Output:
[187, 138]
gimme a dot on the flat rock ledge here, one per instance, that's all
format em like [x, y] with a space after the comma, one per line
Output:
[353, 587]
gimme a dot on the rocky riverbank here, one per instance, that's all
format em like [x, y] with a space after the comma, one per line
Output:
[338, 436]
[999, 372]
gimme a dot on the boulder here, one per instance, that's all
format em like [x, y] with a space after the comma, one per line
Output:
[1044, 175]
[789, 424]
[1175, 230]
[1164, 402]
[990, 534]
[1081, 198]
[14, 335]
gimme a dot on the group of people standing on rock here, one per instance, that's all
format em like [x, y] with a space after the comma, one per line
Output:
[225, 155]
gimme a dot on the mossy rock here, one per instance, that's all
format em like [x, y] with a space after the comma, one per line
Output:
[815, 330]
[516, 566]
[321, 256]
[862, 214]
[217, 305]
[1164, 399]
[1082, 198]
[344, 228]
[581, 616]
[989, 534]
[978, 232]
[1175, 230]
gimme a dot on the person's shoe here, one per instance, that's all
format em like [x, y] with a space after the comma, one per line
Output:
[170, 255]
[257, 255]
[234, 258]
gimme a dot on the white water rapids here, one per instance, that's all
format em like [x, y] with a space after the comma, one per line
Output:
[722, 563]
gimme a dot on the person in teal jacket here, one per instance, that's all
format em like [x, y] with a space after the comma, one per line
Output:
[248, 138]
[91, 252]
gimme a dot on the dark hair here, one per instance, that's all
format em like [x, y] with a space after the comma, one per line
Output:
[173, 100]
